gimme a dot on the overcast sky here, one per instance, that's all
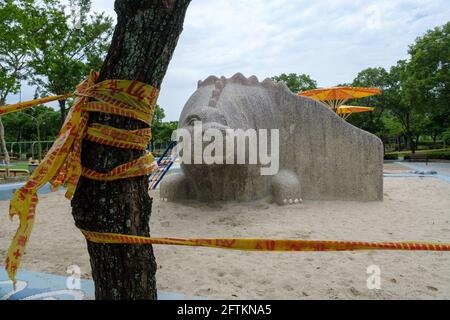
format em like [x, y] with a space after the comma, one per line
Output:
[331, 40]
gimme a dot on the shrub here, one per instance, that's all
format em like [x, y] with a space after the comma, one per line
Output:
[440, 155]
[431, 145]
[391, 156]
[443, 155]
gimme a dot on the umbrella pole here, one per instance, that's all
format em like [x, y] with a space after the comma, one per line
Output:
[347, 116]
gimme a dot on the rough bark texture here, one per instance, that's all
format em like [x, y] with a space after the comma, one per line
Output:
[145, 38]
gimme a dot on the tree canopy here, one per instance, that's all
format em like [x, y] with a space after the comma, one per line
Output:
[297, 82]
[71, 45]
[21, 23]
[415, 103]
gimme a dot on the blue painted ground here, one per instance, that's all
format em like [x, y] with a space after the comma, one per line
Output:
[42, 286]
[442, 169]
[7, 190]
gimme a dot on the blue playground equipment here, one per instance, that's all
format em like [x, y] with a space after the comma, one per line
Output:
[165, 163]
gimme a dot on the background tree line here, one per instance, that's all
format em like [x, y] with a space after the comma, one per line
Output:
[52, 47]
[414, 109]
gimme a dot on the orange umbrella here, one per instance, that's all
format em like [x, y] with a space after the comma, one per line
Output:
[335, 97]
[347, 111]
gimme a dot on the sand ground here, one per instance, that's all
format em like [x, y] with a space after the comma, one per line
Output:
[414, 209]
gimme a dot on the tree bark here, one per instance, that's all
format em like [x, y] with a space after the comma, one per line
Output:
[417, 142]
[145, 38]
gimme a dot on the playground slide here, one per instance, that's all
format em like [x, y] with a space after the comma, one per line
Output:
[164, 164]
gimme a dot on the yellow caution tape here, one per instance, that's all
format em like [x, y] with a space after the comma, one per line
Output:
[62, 164]
[4, 110]
[137, 139]
[140, 167]
[265, 244]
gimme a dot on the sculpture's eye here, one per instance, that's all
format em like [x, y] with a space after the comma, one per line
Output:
[191, 120]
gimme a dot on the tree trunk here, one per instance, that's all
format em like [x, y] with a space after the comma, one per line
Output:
[4, 147]
[145, 38]
[435, 135]
[62, 110]
[406, 143]
[413, 142]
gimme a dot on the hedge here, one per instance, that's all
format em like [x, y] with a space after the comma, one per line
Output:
[435, 156]
[440, 155]
[391, 156]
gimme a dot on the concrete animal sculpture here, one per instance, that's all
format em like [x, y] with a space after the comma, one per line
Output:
[321, 156]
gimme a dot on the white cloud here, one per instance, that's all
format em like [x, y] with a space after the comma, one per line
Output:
[332, 40]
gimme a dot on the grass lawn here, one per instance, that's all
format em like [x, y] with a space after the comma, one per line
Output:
[405, 153]
[17, 166]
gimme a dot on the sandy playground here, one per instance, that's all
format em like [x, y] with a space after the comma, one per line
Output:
[414, 209]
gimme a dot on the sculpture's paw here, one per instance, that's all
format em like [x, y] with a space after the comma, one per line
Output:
[165, 199]
[173, 188]
[292, 201]
[286, 188]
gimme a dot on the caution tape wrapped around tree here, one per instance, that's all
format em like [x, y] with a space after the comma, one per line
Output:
[62, 165]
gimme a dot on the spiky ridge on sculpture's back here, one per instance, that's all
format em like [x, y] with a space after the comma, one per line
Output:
[238, 78]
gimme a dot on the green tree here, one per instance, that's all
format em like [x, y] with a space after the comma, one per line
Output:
[393, 128]
[395, 115]
[394, 109]
[71, 45]
[297, 82]
[157, 124]
[167, 130]
[161, 131]
[446, 137]
[407, 111]
[415, 92]
[20, 127]
[20, 23]
[427, 82]
[373, 121]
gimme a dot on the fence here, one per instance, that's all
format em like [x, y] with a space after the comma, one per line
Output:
[27, 149]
